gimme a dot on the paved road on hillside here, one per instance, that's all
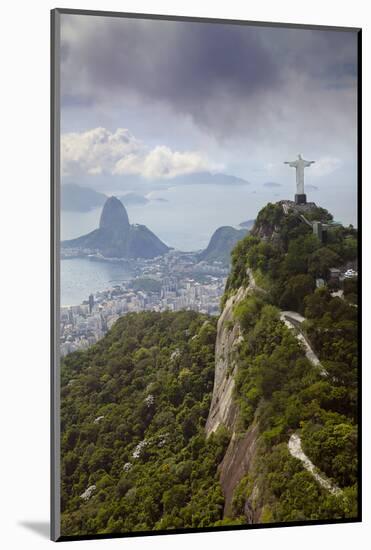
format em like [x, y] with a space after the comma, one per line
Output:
[295, 449]
[293, 320]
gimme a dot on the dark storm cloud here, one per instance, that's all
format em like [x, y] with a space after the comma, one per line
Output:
[221, 75]
[181, 63]
[244, 97]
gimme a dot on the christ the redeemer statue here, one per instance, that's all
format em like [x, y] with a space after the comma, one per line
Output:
[300, 164]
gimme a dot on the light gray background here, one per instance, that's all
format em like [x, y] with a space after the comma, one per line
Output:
[24, 227]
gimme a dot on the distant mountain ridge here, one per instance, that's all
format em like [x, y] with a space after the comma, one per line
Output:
[133, 199]
[79, 198]
[221, 244]
[210, 178]
[116, 238]
[75, 198]
[272, 184]
[248, 224]
[131, 183]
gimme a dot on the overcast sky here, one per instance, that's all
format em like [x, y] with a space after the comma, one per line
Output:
[160, 98]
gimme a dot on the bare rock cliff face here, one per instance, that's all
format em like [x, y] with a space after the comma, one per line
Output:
[241, 450]
[222, 409]
[237, 462]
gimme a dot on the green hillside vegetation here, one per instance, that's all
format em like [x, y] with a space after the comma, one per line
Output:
[134, 405]
[291, 258]
[144, 389]
[277, 385]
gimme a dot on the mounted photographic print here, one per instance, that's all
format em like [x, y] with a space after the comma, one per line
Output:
[205, 218]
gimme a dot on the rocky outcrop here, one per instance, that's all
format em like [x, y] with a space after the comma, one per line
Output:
[237, 462]
[222, 409]
[87, 494]
[116, 238]
[241, 450]
[114, 216]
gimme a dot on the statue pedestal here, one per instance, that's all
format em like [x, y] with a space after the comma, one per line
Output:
[301, 199]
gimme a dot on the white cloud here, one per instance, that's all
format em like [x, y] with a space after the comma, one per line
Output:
[162, 162]
[325, 166]
[96, 150]
[100, 151]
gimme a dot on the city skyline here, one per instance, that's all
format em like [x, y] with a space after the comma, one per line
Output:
[177, 281]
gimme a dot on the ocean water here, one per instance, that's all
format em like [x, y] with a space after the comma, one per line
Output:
[82, 276]
[186, 222]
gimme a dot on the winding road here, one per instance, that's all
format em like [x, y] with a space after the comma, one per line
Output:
[293, 320]
[296, 451]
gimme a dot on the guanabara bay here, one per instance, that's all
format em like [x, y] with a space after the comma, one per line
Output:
[179, 420]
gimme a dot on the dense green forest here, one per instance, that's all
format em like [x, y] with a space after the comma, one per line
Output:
[287, 258]
[133, 413]
[278, 386]
[134, 406]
